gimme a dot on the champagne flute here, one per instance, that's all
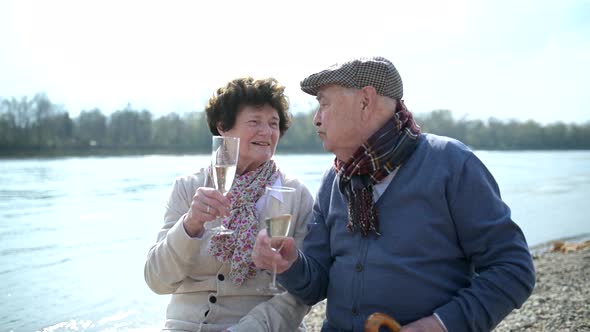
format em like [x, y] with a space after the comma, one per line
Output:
[224, 160]
[277, 219]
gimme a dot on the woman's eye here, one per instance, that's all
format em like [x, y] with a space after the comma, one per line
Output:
[274, 125]
[253, 122]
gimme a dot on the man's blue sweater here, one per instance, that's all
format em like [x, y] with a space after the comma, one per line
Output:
[448, 246]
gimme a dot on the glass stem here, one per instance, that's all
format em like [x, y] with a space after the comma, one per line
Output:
[274, 276]
[273, 283]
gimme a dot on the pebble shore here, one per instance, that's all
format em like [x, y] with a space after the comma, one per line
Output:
[560, 301]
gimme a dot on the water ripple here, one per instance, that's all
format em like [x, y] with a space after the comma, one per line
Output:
[16, 251]
[30, 229]
[71, 325]
[19, 194]
[34, 266]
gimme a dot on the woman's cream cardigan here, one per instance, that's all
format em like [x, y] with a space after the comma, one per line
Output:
[203, 297]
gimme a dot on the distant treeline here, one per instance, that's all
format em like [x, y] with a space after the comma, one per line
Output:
[38, 127]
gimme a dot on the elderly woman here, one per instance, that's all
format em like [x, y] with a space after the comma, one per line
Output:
[213, 282]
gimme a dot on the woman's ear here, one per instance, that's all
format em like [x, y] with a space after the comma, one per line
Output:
[220, 129]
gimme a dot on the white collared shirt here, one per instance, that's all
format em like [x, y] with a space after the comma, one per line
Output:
[277, 195]
[380, 187]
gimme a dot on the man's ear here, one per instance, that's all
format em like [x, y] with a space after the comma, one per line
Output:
[368, 102]
[369, 97]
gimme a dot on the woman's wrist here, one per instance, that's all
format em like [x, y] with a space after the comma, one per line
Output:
[190, 228]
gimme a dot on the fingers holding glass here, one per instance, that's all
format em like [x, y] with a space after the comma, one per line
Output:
[207, 205]
[209, 201]
[224, 160]
[277, 220]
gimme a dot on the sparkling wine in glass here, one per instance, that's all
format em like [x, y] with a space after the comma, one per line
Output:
[277, 220]
[224, 159]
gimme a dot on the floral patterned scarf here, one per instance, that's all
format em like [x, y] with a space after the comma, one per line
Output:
[236, 249]
[383, 152]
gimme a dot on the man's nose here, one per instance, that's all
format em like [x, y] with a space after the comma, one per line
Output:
[316, 119]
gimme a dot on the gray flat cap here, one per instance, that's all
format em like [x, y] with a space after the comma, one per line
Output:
[377, 72]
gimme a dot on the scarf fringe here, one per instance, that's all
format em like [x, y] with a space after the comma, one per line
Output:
[366, 215]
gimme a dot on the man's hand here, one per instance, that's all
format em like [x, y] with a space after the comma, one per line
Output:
[263, 256]
[426, 324]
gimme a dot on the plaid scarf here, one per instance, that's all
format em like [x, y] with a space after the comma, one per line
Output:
[236, 249]
[374, 160]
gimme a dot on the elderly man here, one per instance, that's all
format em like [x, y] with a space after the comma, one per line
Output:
[405, 223]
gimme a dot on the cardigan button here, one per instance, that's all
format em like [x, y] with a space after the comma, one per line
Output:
[212, 299]
[220, 277]
[355, 311]
[358, 267]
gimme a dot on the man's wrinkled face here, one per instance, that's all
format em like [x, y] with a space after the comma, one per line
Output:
[337, 119]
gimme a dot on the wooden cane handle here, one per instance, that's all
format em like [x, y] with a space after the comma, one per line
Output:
[376, 320]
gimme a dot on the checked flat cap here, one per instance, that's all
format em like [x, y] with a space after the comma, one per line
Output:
[377, 72]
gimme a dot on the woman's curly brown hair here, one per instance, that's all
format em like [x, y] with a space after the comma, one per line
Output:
[223, 107]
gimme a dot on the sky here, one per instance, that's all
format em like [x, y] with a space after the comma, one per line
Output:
[508, 59]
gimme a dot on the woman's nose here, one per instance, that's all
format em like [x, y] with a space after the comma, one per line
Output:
[265, 128]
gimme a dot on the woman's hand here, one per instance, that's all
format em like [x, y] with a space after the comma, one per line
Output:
[207, 204]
